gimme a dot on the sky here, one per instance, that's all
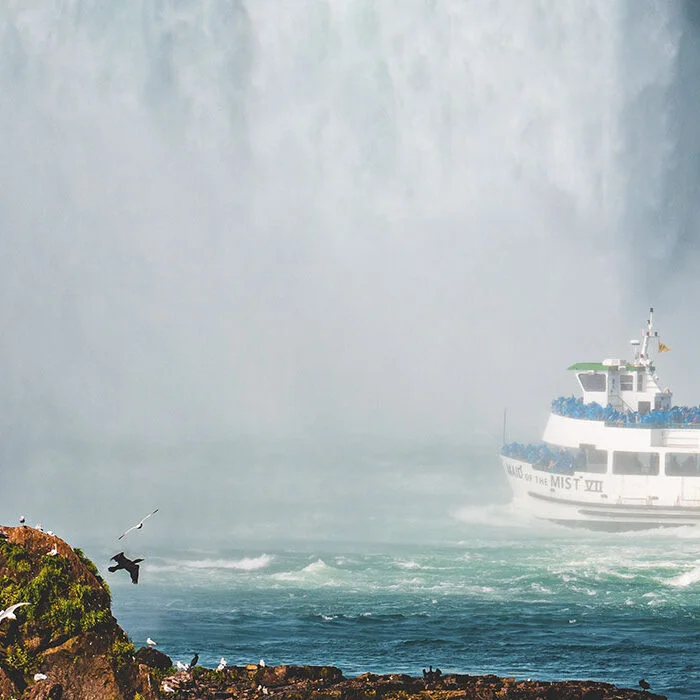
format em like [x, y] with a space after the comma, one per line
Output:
[330, 222]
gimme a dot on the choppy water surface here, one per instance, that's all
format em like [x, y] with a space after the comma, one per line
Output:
[550, 605]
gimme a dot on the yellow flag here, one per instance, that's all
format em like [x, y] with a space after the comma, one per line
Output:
[663, 348]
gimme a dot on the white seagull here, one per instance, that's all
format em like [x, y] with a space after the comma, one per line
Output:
[181, 666]
[167, 688]
[53, 552]
[40, 676]
[10, 612]
[150, 642]
[222, 664]
[138, 525]
[262, 663]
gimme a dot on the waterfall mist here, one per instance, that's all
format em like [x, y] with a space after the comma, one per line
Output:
[235, 222]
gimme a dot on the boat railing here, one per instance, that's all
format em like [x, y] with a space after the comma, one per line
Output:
[653, 424]
[676, 417]
[542, 456]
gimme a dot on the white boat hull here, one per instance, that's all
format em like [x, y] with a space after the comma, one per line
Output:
[604, 501]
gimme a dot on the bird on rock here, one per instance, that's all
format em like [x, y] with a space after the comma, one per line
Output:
[10, 612]
[644, 684]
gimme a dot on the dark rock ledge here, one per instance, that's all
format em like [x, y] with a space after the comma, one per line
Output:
[69, 635]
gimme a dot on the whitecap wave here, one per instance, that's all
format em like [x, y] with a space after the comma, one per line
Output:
[408, 564]
[317, 572]
[687, 578]
[244, 564]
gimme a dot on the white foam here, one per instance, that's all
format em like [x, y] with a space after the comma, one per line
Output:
[685, 579]
[317, 572]
[408, 565]
[244, 564]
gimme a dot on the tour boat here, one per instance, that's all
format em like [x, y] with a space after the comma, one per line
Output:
[619, 457]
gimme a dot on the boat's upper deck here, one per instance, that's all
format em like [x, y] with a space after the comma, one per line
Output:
[627, 387]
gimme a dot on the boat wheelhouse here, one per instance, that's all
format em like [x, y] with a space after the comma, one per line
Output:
[619, 457]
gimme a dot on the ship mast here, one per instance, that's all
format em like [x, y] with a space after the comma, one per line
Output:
[644, 358]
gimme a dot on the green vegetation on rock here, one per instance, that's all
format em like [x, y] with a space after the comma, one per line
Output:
[65, 601]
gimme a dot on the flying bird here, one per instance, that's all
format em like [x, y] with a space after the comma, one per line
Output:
[222, 664]
[10, 612]
[123, 563]
[150, 642]
[138, 525]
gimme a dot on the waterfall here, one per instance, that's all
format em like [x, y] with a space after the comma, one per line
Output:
[251, 216]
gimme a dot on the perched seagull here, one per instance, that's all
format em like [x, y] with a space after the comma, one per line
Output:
[181, 666]
[123, 563]
[150, 642]
[38, 527]
[53, 552]
[222, 664]
[262, 663]
[10, 612]
[194, 661]
[139, 525]
[40, 676]
[21, 520]
[167, 688]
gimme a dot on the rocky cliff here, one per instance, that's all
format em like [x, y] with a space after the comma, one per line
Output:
[65, 643]
[67, 631]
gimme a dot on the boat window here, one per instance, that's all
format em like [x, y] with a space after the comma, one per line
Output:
[644, 463]
[592, 382]
[588, 459]
[680, 464]
[640, 381]
[626, 382]
[596, 460]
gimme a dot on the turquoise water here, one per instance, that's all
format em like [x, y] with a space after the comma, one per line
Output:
[523, 601]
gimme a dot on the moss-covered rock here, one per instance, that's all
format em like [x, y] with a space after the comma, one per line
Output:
[67, 631]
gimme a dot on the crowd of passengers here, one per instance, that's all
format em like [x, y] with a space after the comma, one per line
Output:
[542, 456]
[573, 407]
